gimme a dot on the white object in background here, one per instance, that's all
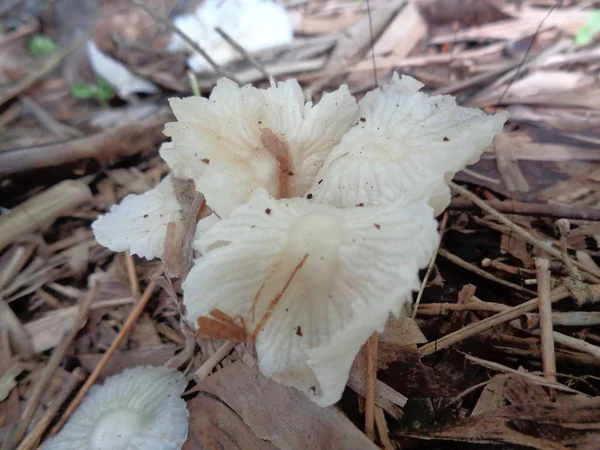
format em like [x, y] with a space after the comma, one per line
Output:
[116, 74]
[141, 408]
[254, 24]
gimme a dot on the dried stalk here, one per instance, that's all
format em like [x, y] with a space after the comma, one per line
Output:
[125, 329]
[20, 339]
[545, 307]
[242, 51]
[485, 324]
[471, 268]
[133, 279]
[518, 230]
[372, 345]
[382, 429]
[44, 207]
[431, 265]
[205, 369]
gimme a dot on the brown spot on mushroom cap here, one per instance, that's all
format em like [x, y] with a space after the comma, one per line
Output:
[377, 226]
[446, 138]
[268, 210]
[205, 160]
[299, 331]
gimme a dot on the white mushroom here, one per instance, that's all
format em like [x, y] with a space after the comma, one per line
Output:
[241, 139]
[309, 282]
[139, 223]
[254, 24]
[140, 408]
[404, 144]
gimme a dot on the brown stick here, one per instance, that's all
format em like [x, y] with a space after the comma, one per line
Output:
[30, 442]
[545, 308]
[46, 206]
[372, 345]
[205, 369]
[20, 340]
[133, 279]
[482, 273]
[518, 230]
[128, 138]
[485, 324]
[531, 209]
[52, 365]
[125, 329]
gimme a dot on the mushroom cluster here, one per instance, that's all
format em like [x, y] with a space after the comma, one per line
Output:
[323, 215]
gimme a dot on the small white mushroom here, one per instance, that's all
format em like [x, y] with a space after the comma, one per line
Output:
[139, 223]
[241, 139]
[254, 24]
[309, 282]
[140, 408]
[404, 145]
[116, 74]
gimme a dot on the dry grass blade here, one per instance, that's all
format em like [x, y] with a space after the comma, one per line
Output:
[372, 345]
[205, 369]
[47, 206]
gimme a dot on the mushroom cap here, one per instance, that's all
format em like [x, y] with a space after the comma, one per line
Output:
[140, 408]
[242, 139]
[309, 282]
[139, 223]
[404, 145]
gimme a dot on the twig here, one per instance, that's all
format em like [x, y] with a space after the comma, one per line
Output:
[372, 345]
[431, 265]
[517, 229]
[242, 51]
[205, 369]
[53, 363]
[545, 308]
[485, 324]
[17, 261]
[471, 268]
[46, 206]
[576, 344]
[187, 40]
[382, 429]
[31, 440]
[527, 375]
[531, 209]
[61, 131]
[20, 339]
[125, 329]
[133, 279]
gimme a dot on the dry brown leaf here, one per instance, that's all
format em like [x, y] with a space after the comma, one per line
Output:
[281, 415]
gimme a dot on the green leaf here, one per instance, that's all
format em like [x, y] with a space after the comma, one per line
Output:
[41, 44]
[104, 90]
[83, 90]
[584, 36]
[586, 33]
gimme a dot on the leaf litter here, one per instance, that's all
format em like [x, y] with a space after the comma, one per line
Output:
[469, 368]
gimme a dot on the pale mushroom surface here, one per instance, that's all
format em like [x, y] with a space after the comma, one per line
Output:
[309, 282]
[139, 223]
[404, 145]
[254, 24]
[116, 74]
[242, 139]
[140, 408]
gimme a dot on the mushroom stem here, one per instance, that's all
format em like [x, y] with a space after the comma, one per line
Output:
[372, 345]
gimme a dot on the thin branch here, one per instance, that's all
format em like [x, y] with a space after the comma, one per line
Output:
[205, 369]
[471, 268]
[187, 40]
[485, 324]
[372, 345]
[517, 229]
[431, 265]
[545, 307]
[242, 51]
[133, 279]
